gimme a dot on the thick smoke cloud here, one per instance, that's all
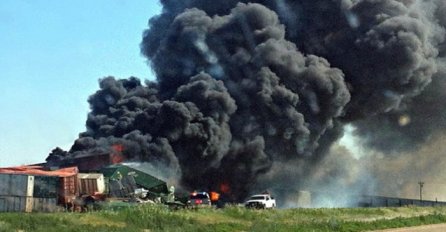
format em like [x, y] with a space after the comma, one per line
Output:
[244, 88]
[285, 100]
[420, 118]
[414, 123]
[387, 49]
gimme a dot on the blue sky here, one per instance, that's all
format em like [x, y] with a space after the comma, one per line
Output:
[52, 55]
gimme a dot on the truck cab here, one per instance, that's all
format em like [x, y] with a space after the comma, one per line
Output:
[261, 201]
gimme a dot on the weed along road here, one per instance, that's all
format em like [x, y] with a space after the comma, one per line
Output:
[426, 228]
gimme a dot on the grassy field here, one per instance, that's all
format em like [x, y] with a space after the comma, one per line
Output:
[159, 218]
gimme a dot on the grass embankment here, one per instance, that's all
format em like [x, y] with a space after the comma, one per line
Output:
[160, 218]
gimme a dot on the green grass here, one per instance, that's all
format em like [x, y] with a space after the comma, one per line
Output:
[160, 218]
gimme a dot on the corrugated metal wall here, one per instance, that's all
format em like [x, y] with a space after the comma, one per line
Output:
[91, 183]
[68, 189]
[27, 193]
[16, 185]
[16, 204]
[28, 204]
[16, 193]
[45, 205]
[88, 186]
[45, 186]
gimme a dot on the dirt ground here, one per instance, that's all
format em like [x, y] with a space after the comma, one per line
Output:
[426, 228]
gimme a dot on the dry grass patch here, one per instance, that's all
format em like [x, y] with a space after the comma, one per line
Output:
[95, 220]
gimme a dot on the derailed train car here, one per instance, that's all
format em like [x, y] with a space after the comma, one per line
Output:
[16, 193]
[122, 181]
[32, 188]
[35, 189]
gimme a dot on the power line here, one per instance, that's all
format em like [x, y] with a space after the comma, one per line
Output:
[421, 183]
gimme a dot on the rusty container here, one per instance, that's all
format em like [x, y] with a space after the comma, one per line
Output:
[68, 190]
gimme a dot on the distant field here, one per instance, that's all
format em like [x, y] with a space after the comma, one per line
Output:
[159, 218]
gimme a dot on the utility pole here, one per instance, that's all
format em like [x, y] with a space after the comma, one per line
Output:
[421, 183]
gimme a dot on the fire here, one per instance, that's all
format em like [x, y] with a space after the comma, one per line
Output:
[214, 196]
[116, 156]
[118, 147]
[225, 188]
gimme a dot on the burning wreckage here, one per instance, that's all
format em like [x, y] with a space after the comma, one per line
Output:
[254, 96]
[35, 188]
[84, 182]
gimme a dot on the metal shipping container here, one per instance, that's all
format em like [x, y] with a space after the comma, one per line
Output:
[16, 204]
[45, 186]
[16, 185]
[45, 205]
[91, 183]
[68, 190]
[88, 186]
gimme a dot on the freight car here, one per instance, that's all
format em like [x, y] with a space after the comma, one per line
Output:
[32, 188]
[67, 189]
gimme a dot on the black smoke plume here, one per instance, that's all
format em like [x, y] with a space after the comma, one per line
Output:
[243, 87]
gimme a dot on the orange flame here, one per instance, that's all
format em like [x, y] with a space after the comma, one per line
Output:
[116, 157]
[225, 188]
[118, 147]
[214, 196]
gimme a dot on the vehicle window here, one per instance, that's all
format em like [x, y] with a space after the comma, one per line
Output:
[258, 198]
[199, 196]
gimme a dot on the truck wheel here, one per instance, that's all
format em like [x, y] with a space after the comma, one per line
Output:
[89, 203]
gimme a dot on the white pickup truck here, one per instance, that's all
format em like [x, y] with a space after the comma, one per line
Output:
[261, 201]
